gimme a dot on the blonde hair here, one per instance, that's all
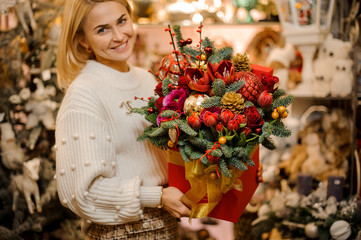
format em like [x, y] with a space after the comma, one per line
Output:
[71, 56]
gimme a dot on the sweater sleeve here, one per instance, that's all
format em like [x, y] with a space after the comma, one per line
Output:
[85, 172]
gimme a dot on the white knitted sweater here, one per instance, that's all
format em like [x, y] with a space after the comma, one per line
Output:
[103, 174]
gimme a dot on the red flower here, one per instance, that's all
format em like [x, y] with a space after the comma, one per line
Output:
[233, 125]
[225, 116]
[194, 121]
[159, 90]
[182, 84]
[246, 130]
[265, 99]
[197, 80]
[253, 117]
[224, 70]
[240, 119]
[159, 103]
[269, 83]
[210, 119]
[219, 127]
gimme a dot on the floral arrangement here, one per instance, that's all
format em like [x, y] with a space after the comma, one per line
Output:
[212, 106]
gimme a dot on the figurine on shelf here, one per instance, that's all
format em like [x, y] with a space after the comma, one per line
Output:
[26, 183]
[23, 10]
[342, 79]
[12, 154]
[40, 106]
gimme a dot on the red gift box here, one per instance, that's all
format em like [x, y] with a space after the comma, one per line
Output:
[260, 71]
[233, 203]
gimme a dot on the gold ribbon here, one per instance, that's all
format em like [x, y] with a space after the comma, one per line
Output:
[203, 185]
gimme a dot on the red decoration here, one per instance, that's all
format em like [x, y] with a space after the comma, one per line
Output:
[169, 66]
[208, 50]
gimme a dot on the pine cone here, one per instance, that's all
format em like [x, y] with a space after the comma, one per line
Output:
[241, 63]
[233, 101]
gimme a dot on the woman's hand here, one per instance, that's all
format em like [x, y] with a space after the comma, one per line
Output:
[259, 173]
[176, 203]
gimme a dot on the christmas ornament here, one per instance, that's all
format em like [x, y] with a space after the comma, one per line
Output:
[208, 50]
[340, 230]
[169, 67]
[194, 103]
[311, 230]
[252, 87]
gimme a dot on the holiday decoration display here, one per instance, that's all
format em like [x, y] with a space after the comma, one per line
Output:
[211, 112]
[332, 69]
[29, 99]
[315, 216]
[305, 25]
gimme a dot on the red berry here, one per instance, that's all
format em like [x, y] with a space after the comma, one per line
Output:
[135, 98]
[189, 41]
[150, 110]
[182, 42]
[173, 34]
[149, 98]
[208, 50]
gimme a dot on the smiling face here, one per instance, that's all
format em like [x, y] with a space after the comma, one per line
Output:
[109, 34]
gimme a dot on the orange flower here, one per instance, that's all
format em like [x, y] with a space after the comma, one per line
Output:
[224, 70]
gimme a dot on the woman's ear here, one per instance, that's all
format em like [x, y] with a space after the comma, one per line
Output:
[84, 43]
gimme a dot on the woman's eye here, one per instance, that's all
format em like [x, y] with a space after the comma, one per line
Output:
[101, 30]
[121, 21]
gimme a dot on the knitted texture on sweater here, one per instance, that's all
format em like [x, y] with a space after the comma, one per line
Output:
[103, 174]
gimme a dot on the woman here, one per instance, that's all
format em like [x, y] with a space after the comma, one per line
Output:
[105, 176]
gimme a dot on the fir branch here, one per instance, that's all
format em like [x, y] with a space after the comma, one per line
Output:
[216, 153]
[278, 93]
[235, 86]
[267, 130]
[169, 124]
[219, 87]
[227, 150]
[280, 130]
[251, 163]
[196, 155]
[248, 104]
[182, 151]
[158, 132]
[205, 160]
[141, 111]
[160, 142]
[222, 54]
[152, 118]
[188, 149]
[214, 101]
[269, 144]
[238, 164]
[249, 148]
[178, 36]
[169, 114]
[187, 129]
[165, 83]
[285, 101]
[223, 166]
[239, 152]
[201, 143]
[207, 43]
[191, 52]
[207, 134]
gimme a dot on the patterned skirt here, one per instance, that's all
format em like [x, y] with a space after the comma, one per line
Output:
[156, 224]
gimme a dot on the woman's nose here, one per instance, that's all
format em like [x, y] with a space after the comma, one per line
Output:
[117, 35]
